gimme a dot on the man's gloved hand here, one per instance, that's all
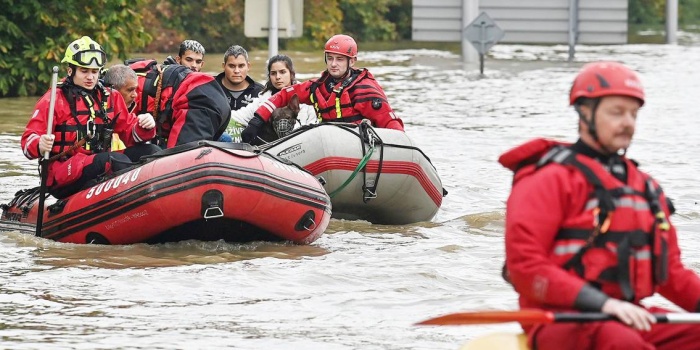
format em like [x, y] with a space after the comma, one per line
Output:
[146, 121]
[253, 129]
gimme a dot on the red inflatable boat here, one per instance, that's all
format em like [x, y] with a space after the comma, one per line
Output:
[203, 190]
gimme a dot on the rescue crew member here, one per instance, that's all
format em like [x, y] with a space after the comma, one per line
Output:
[85, 115]
[586, 230]
[341, 94]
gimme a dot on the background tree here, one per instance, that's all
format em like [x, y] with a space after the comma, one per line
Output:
[689, 14]
[216, 24]
[365, 20]
[35, 34]
[401, 14]
[322, 19]
[646, 12]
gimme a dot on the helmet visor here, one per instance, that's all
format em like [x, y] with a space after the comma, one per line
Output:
[90, 58]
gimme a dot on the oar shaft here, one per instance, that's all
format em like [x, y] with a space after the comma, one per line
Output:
[52, 105]
[581, 317]
[530, 317]
[598, 316]
[678, 318]
[45, 162]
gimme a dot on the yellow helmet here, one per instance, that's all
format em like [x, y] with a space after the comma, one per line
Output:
[85, 52]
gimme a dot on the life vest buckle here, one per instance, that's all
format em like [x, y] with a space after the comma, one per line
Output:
[663, 223]
[605, 225]
[90, 129]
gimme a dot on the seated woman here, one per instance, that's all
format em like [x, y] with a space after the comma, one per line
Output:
[280, 74]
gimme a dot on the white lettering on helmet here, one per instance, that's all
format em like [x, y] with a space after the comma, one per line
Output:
[633, 83]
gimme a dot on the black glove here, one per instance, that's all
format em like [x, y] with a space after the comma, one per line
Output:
[253, 129]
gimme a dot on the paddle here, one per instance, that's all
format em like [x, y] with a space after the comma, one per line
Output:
[45, 162]
[528, 317]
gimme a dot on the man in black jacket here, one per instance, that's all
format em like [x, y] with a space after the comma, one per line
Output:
[240, 89]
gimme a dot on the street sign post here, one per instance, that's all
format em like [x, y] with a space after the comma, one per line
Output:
[483, 33]
[274, 19]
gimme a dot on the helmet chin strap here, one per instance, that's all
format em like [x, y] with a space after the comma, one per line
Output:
[592, 130]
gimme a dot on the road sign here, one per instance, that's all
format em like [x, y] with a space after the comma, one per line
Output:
[290, 22]
[483, 33]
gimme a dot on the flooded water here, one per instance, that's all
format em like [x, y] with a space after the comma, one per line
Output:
[360, 286]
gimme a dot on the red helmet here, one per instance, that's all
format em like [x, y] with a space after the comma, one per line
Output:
[342, 45]
[600, 79]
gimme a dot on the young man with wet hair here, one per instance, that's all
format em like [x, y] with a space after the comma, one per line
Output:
[190, 55]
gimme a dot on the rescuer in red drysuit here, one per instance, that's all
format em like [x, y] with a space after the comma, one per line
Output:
[586, 230]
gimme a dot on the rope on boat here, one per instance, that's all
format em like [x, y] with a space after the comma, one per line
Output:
[359, 167]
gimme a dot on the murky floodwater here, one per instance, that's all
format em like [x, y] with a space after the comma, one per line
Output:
[359, 286]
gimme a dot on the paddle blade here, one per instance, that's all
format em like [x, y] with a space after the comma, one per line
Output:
[486, 317]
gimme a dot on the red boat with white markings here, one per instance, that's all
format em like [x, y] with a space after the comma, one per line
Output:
[203, 190]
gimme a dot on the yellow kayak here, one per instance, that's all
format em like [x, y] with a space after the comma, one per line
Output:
[500, 341]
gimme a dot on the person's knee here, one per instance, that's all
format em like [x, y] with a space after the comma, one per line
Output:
[134, 153]
[118, 161]
[617, 336]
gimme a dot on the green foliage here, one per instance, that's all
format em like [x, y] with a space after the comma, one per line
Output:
[401, 14]
[365, 20]
[322, 19]
[216, 24]
[689, 14]
[646, 12]
[34, 35]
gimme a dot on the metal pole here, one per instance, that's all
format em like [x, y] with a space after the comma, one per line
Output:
[470, 9]
[573, 28]
[482, 37]
[671, 21]
[273, 33]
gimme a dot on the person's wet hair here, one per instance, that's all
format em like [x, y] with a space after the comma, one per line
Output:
[235, 51]
[192, 45]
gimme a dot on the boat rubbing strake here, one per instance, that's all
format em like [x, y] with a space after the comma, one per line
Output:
[378, 175]
[202, 190]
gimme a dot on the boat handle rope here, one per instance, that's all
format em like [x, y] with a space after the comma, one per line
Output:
[313, 225]
[371, 138]
[216, 212]
[359, 167]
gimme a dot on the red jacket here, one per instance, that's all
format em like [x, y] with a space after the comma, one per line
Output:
[356, 98]
[192, 105]
[553, 199]
[65, 127]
